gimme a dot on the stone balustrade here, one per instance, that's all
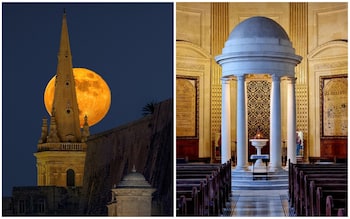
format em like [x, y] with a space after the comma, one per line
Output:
[62, 147]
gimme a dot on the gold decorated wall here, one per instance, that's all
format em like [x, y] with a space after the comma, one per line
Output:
[318, 32]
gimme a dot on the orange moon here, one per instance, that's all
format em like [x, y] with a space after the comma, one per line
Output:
[93, 95]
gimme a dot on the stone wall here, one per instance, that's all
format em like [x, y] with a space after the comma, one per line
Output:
[146, 143]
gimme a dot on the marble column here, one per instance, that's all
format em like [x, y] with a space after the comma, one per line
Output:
[291, 121]
[225, 121]
[241, 125]
[275, 124]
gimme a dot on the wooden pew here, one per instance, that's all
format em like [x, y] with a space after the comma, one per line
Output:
[195, 196]
[335, 207]
[303, 185]
[318, 180]
[187, 202]
[205, 192]
[224, 182]
[313, 193]
[341, 212]
[211, 200]
[298, 182]
[294, 169]
[322, 159]
[321, 196]
[181, 205]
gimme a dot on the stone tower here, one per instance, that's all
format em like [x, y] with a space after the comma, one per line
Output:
[60, 156]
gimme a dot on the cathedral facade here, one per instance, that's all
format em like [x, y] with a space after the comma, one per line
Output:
[318, 32]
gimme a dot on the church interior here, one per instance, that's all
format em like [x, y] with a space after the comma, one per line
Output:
[261, 98]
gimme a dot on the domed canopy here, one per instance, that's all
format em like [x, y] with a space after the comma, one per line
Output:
[258, 45]
[258, 27]
[134, 179]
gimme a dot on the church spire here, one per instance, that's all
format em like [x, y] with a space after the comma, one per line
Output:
[54, 164]
[65, 100]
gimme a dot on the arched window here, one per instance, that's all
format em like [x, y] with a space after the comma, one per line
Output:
[70, 177]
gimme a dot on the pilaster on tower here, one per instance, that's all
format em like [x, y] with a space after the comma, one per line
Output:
[43, 131]
[85, 131]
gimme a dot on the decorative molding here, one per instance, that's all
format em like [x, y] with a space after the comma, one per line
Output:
[326, 18]
[194, 24]
[188, 49]
[331, 49]
[331, 65]
[190, 66]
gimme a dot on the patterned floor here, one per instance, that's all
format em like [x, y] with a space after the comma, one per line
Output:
[259, 203]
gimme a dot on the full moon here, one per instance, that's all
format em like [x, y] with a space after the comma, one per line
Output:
[93, 95]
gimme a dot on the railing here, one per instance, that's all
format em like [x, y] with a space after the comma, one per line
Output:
[62, 147]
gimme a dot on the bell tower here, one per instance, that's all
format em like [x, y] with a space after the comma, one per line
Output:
[60, 155]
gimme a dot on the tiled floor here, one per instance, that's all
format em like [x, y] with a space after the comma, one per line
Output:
[259, 203]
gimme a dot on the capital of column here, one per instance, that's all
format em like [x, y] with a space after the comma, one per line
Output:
[292, 80]
[241, 77]
[225, 80]
[276, 78]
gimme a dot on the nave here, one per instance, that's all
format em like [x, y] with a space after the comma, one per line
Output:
[303, 190]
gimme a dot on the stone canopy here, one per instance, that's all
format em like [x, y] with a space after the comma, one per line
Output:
[134, 179]
[258, 45]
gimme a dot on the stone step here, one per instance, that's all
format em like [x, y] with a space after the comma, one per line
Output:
[250, 176]
[274, 181]
[260, 180]
[262, 187]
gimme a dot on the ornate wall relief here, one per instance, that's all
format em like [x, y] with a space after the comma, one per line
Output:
[334, 109]
[186, 107]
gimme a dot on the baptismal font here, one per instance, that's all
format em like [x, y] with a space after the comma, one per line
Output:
[258, 141]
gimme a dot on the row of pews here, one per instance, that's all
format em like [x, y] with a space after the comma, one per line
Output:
[202, 189]
[318, 189]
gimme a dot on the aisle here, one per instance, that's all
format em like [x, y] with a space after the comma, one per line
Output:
[260, 198]
[260, 203]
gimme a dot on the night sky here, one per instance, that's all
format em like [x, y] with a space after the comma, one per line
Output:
[130, 45]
